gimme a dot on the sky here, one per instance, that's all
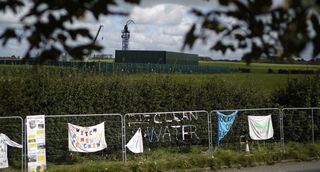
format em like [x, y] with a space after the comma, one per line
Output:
[159, 25]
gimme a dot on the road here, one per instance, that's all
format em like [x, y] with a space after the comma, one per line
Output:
[312, 166]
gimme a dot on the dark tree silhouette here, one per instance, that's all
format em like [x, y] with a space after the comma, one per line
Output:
[44, 25]
[281, 32]
[274, 32]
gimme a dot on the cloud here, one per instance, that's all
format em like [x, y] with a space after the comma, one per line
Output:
[162, 14]
[159, 25]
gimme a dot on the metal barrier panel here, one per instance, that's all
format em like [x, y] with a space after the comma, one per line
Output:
[13, 127]
[57, 137]
[239, 132]
[168, 129]
[316, 119]
[107, 67]
[301, 124]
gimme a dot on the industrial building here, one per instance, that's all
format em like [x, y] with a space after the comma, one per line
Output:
[155, 57]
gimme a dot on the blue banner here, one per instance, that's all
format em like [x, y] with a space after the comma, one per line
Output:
[224, 124]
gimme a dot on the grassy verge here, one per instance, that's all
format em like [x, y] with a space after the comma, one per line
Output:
[197, 158]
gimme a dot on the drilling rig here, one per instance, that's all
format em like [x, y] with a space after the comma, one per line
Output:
[126, 35]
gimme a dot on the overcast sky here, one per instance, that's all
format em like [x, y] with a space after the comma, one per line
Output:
[159, 25]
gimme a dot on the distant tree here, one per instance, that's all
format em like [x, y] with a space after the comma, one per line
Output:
[45, 25]
[282, 31]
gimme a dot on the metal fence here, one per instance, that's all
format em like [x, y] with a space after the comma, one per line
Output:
[179, 129]
[239, 132]
[57, 137]
[301, 124]
[108, 67]
[13, 127]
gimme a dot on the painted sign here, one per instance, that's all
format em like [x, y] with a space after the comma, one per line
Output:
[224, 124]
[36, 143]
[86, 139]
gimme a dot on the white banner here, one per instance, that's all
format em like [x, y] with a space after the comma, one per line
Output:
[36, 143]
[5, 141]
[135, 144]
[260, 127]
[86, 139]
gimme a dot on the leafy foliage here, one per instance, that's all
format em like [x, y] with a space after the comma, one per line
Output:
[299, 93]
[45, 26]
[258, 26]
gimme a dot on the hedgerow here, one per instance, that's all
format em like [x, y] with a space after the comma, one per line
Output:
[58, 91]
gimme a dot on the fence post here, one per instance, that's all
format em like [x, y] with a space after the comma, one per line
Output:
[124, 140]
[210, 134]
[281, 131]
[312, 126]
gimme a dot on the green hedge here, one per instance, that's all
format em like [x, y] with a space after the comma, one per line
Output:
[46, 90]
[42, 92]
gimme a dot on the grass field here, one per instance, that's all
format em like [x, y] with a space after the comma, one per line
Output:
[261, 67]
[262, 81]
[255, 67]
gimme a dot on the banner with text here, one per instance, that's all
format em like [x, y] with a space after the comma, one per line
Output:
[86, 139]
[36, 143]
[224, 124]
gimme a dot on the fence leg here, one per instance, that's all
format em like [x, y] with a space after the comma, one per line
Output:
[124, 153]
[281, 132]
[209, 135]
[312, 126]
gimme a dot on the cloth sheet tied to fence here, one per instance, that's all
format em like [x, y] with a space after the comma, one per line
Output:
[4, 142]
[135, 144]
[86, 139]
[260, 127]
[224, 124]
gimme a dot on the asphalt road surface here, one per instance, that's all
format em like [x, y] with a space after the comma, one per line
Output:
[312, 166]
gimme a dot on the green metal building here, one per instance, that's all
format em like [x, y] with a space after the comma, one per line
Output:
[155, 57]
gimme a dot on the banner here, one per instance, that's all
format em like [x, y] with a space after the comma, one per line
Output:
[135, 144]
[224, 124]
[36, 143]
[5, 141]
[260, 127]
[86, 139]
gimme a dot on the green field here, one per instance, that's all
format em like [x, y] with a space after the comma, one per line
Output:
[262, 81]
[254, 67]
[261, 67]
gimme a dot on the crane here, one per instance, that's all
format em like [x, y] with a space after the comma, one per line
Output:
[126, 35]
[95, 38]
